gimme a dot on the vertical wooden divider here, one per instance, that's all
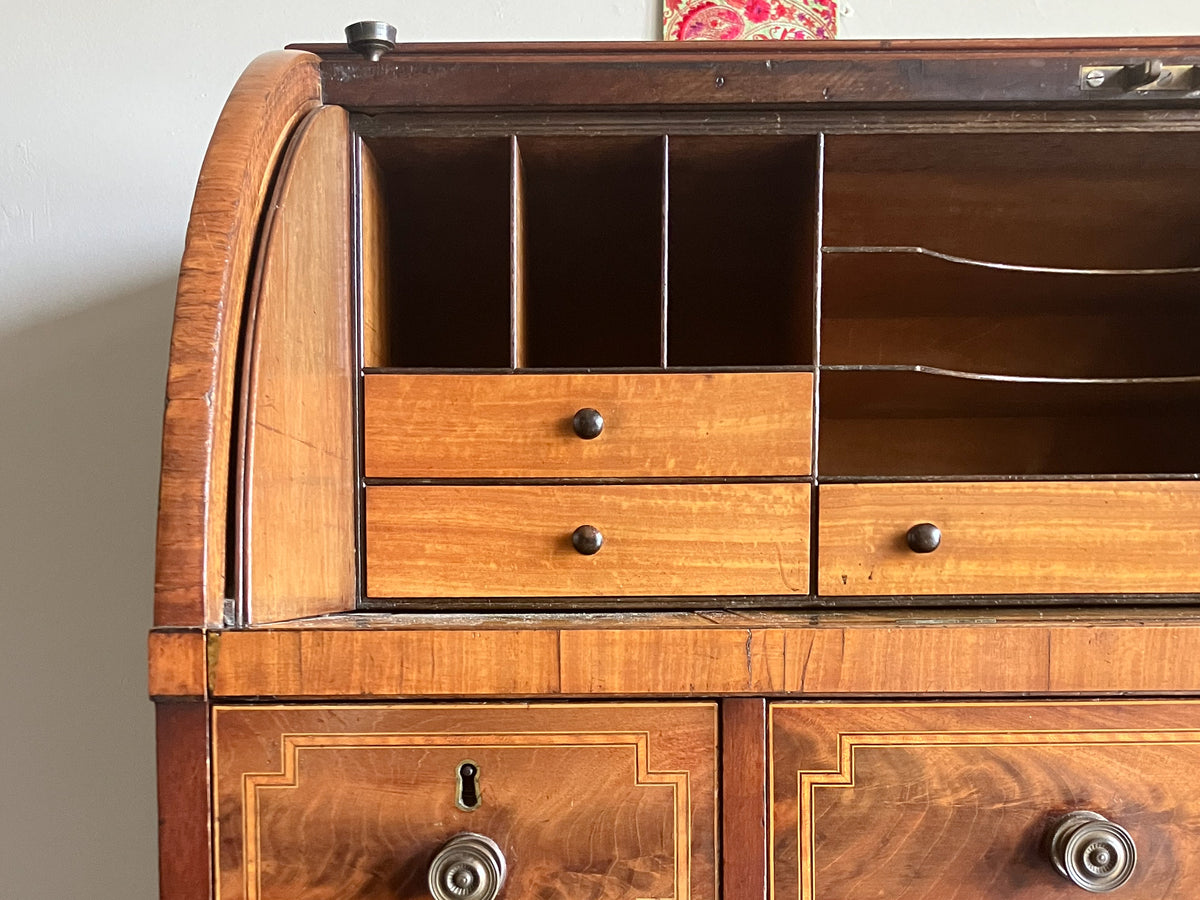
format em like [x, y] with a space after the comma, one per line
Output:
[744, 799]
[184, 817]
[516, 233]
[372, 218]
[818, 268]
[666, 251]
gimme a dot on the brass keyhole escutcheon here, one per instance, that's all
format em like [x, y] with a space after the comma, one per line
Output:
[467, 796]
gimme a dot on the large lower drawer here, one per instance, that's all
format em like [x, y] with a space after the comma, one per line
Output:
[603, 801]
[676, 425]
[654, 540]
[1010, 538]
[929, 801]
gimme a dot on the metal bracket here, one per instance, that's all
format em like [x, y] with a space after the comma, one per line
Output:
[1142, 77]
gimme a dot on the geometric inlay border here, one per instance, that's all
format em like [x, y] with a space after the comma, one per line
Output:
[292, 745]
[851, 746]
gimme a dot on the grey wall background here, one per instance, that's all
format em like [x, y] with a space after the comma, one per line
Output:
[106, 114]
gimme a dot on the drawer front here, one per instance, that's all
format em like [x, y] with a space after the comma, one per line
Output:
[936, 800]
[506, 426]
[606, 801]
[517, 540]
[1011, 538]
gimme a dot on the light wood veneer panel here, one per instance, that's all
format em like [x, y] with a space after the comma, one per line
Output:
[178, 667]
[515, 541]
[938, 800]
[298, 663]
[373, 221]
[671, 661]
[671, 425]
[298, 476]
[605, 801]
[820, 655]
[1011, 538]
[272, 95]
[910, 659]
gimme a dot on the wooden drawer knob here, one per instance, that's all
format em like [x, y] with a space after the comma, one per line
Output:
[587, 539]
[468, 867]
[924, 538]
[1092, 852]
[588, 423]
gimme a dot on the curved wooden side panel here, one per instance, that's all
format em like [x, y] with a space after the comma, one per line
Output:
[296, 479]
[274, 92]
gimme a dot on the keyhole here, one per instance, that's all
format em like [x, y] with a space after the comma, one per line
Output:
[468, 786]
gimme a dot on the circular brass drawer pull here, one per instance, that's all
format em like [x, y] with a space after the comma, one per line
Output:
[587, 540]
[588, 423]
[1092, 852]
[468, 867]
[923, 538]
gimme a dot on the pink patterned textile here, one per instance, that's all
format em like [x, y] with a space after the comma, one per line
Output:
[734, 20]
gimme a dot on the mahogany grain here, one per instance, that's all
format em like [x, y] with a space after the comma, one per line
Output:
[184, 807]
[606, 801]
[743, 799]
[935, 800]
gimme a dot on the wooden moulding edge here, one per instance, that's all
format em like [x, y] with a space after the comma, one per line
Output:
[947, 656]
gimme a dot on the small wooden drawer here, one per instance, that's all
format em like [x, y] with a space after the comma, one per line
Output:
[519, 540]
[960, 800]
[1009, 538]
[606, 801]
[677, 425]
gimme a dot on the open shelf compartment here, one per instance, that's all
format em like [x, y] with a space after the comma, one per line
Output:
[589, 243]
[906, 306]
[435, 252]
[906, 422]
[741, 250]
[1078, 200]
[566, 251]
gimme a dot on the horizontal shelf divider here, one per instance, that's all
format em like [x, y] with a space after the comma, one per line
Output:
[580, 370]
[954, 479]
[1014, 379]
[1010, 267]
[483, 482]
[1148, 609]
[923, 607]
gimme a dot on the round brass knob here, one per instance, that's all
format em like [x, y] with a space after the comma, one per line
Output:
[588, 423]
[924, 538]
[587, 539]
[1092, 852]
[468, 867]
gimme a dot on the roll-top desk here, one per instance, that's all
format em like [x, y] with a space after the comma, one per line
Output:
[632, 472]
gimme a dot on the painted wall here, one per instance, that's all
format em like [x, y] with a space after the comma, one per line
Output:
[108, 108]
